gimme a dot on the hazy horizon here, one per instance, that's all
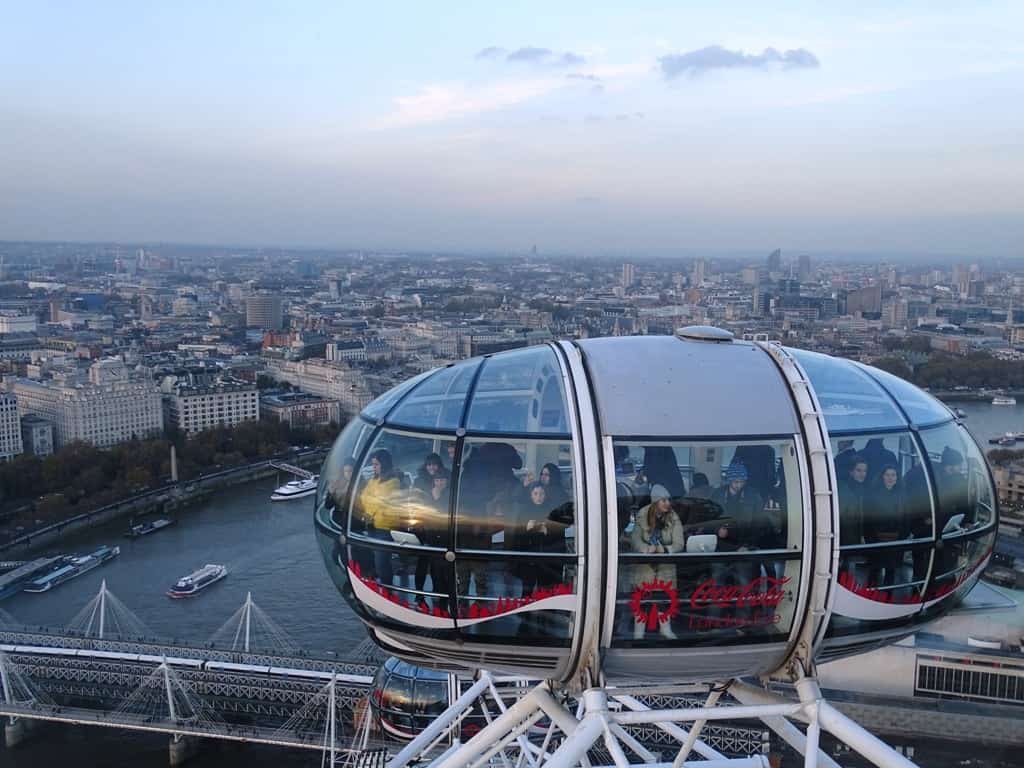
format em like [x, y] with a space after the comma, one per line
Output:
[583, 129]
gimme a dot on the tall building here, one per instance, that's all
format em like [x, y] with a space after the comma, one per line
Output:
[894, 312]
[804, 268]
[36, 435]
[193, 408]
[866, 299]
[110, 409]
[699, 272]
[774, 262]
[10, 427]
[628, 275]
[264, 311]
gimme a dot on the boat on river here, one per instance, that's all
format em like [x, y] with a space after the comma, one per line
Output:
[71, 567]
[144, 529]
[1004, 400]
[295, 489]
[197, 581]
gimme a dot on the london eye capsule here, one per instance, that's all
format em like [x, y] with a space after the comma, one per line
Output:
[690, 507]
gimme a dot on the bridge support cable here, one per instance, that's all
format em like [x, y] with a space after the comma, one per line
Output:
[251, 629]
[164, 697]
[7, 622]
[105, 617]
[17, 694]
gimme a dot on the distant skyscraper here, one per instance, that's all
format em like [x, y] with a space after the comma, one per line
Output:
[775, 260]
[699, 272]
[628, 275]
[804, 268]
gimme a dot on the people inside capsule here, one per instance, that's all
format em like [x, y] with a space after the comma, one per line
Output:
[743, 506]
[378, 505]
[535, 530]
[431, 468]
[852, 490]
[885, 521]
[431, 530]
[488, 493]
[658, 531]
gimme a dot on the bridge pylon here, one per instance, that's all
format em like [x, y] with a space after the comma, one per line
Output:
[250, 629]
[105, 616]
[17, 693]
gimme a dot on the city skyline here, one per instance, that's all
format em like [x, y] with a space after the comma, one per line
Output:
[584, 129]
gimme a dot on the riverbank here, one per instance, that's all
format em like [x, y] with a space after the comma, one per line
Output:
[165, 500]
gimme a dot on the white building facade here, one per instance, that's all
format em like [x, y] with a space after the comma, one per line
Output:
[192, 409]
[101, 414]
[10, 427]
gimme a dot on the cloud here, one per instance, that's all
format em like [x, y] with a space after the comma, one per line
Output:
[694, 63]
[442, 101]
[582, 76]
[530, 54]
[490, 52]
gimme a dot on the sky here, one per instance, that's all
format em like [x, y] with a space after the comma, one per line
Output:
[579, 127]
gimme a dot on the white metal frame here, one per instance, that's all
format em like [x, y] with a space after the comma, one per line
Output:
[543, 729]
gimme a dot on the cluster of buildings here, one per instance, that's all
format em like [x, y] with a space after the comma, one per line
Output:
[104, 344]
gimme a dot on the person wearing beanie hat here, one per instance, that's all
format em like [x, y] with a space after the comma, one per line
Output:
[954, 494]
[742, 505]
[658, 531]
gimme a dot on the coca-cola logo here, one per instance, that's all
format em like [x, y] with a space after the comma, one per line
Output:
[762, 592]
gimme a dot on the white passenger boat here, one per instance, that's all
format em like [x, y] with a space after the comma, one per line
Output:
[1004, 400]
[296, 489]
[197, 581]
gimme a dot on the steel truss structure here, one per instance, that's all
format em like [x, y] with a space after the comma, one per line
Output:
[604, 727]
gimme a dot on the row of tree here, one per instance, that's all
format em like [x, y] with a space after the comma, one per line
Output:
[977, 370]
[80, 476]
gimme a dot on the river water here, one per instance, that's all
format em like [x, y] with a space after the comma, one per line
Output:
[271, 551]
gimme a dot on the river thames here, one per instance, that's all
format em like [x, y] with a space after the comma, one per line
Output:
[270, 550]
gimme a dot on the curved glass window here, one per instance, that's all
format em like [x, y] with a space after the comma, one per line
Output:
[886, 524]
[339, 470]
[961, 480]
[850, 399]
[520, 392]
[709, 542]
[438, 402]
[379, 408]
[913, 528]
[408, 698]
[516, 497]
[398, 527]
[336, 478]
[966, 509]
[921, 408]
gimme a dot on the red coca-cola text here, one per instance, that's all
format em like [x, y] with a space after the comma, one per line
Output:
[763, 592]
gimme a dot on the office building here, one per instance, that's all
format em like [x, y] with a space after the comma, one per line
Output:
[193, 408]
[112, 408]
[10, 427]
[36, 435]
[264, 311]
[300, 409]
